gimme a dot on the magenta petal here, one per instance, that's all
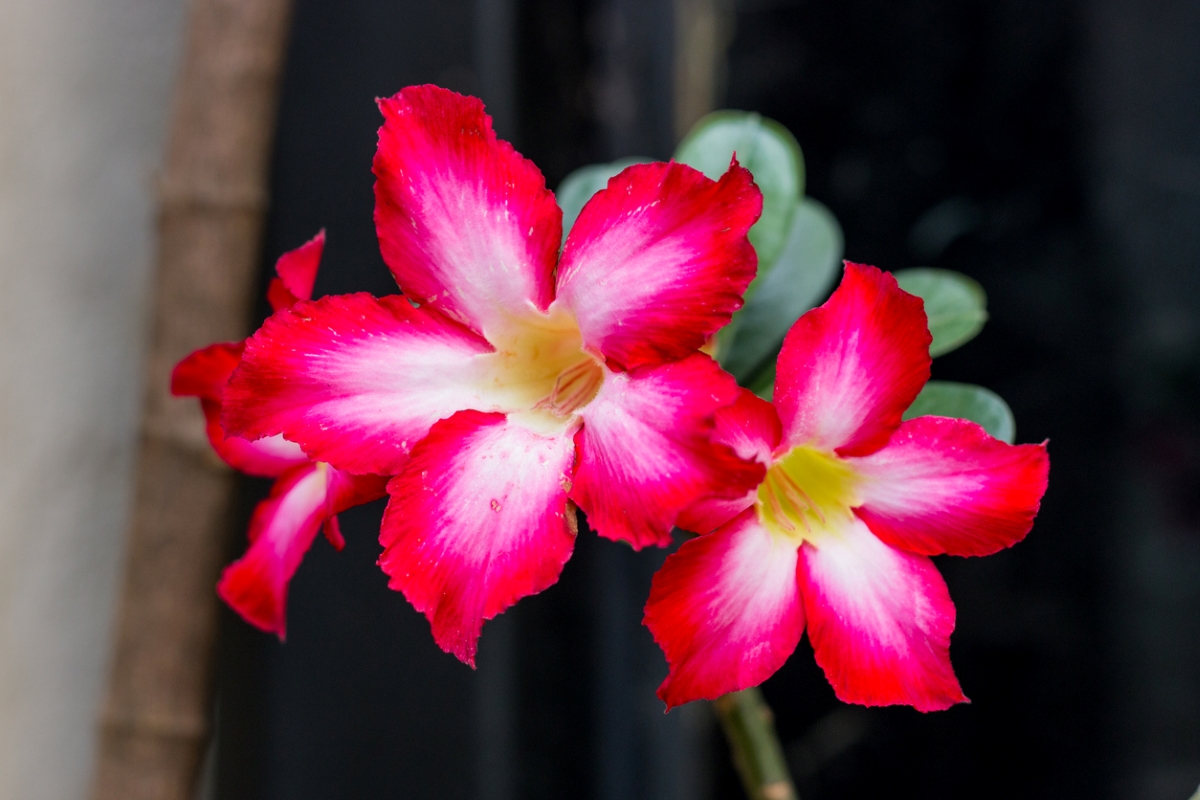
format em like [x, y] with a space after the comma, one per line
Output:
[751, 427]
[281, 531]
[465, 224]
[297, 271]
[726, 610]
[850, 368]
[879, 620]
[944, 486]
[478, 519]
[354, 380]
[204, 374]
[279, 297]
[659, 260]
[268, 457]
[333, 533]
[646, 454]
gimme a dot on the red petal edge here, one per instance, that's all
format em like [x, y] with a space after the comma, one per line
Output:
[478, 519]
[850, 368]
[879, 620]
[726, 610]
[944, 486]
[645, 451]
[281, 531]
[297, 270]
[354, 380]
[658, 261]
[465, 224]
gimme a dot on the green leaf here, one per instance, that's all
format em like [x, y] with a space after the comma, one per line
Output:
[955, 304]
[578, 187]
[803, 274]
[763, 384]
[966, 401]
[772, 155]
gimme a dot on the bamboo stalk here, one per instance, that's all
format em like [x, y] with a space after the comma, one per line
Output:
[750, 729]
[155, 722]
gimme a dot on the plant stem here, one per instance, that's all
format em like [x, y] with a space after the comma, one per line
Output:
[750, 728]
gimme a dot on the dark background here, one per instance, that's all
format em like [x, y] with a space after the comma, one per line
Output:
[1051, 150]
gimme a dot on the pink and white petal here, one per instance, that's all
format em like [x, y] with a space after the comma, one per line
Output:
[849, 368]
[268, 457]
[726, 610]
[354, 380]
[879, 620]
[281, 531]
[297, 269]
[465, 223]
[944, 486]
[477, 520]
[751, 427]
[203, 373]
[646, 453]
[659, 260]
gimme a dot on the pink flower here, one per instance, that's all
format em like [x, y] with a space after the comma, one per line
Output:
[839, 532]
[511, 383]
[307, 495]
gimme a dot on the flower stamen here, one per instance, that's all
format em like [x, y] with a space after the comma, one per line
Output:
[806, 494]
[573, 389]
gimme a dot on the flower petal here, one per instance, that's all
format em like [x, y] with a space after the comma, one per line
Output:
[751, 427]
[879, 620]
[279, 297]
[281, 531]
[849, 368]
[659, 260]
[204, 374]
[333, 533]
[354, 380]
[297, 271]
[726, 610]
[478, 519]
[944, 486]
[645, 451]
[465, 224]
[268, 457]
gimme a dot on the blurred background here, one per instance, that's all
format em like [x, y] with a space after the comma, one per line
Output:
[1048, 148]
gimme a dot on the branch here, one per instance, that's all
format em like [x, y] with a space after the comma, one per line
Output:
[750, 728]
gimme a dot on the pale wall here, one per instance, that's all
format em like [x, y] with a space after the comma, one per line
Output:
[84, 88]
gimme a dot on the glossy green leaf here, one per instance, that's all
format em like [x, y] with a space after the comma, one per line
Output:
[966, 401]
[772, 155]
[578, 187]
[955, 304]
[804, 273]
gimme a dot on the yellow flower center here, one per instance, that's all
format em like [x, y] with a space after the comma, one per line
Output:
[540, 373]
[807, 494]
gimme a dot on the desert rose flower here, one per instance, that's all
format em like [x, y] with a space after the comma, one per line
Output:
[510, 383]
[307, 495]
[839, 532]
